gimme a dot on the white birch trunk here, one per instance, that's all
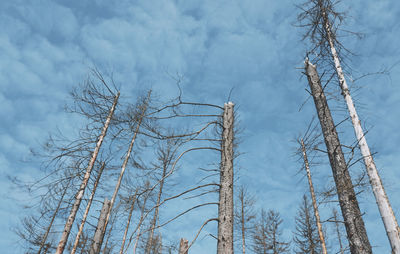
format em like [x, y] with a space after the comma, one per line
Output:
[99, 234]
[89, 204]
[81, 191]
[385, 209]
[314, 201]
[225, 209]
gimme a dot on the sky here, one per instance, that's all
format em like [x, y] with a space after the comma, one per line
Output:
[251, 46]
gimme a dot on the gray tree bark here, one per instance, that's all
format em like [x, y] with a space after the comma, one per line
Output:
[355, 228]
[99, 234]
[225, 209]
[82, 188]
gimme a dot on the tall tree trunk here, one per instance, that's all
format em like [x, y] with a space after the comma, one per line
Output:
[242, 221]
[81, 191]
[125, 163]
[356, 233]
[78, 235]
[183, 246]
[314, 200]
[99, 234]
[385, 209]
[43, 243]
[225, 208]
[129, 221]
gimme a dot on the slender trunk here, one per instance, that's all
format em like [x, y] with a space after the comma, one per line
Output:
[128, 154]
[338, 231]
[81, 191]
[99, 234]
[129, 221]
[242, 224]
[183, 246]
[154, 221]
[385, 209]
[43, 243]
[225, 209]
[78, 235]
[356, 233]
[314, 201]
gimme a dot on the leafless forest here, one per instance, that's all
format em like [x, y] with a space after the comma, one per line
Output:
[128, 173]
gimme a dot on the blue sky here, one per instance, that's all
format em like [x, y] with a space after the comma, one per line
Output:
[47, 47]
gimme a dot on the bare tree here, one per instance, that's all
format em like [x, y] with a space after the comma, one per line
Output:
[99, 234]
[307, 238]
[78, 235]
[132, 201]
[342, 248]
[91, 91]
[225, 208]
[126, 160]
[355, 227]
[244, 215]
[267, 234]
[313, 198]
[166, 155]
[321, 17]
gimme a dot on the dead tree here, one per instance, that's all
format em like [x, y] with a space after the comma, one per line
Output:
[54, 216]
[324, 33]
[132, 201]
[313, 198]
[166, 156]
[338, 233]
[307, 237]
[99, 234]
[85, 214]
[125, 162]
[267, 234]
[354, 223]
[244, 215]
[225, 207]
[82, 188]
